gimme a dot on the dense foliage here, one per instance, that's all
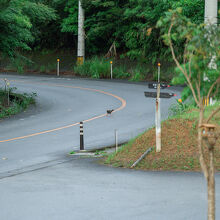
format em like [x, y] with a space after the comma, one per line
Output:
[20, 24]
[130, 24]
[52, 24]
[200, 58]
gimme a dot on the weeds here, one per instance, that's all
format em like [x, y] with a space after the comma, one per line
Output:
[100, 68]
[179, 145]
[72, 152]
[18, 102]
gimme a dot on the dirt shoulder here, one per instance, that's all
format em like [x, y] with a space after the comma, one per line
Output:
[179, 147]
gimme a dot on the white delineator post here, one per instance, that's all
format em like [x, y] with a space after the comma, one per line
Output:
[111, 69]
[157, 118]
[58, 67]
[81, 36]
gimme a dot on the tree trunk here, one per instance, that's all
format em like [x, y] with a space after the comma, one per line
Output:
[211, 187]
[201, 154]
[209, 172]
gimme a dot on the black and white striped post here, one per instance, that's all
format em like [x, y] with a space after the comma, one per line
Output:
[81, 136]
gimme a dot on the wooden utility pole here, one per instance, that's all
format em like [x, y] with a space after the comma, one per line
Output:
[81, 36]
[211, 11]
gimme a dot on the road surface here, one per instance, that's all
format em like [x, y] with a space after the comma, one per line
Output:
[50, 129]
[38, 180]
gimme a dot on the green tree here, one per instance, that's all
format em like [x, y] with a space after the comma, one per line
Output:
[42, 16]
[15, 27]
[102, 25]
[200, 58]
[196, 55]
[19, 24]
[142, 38]
[131, 24]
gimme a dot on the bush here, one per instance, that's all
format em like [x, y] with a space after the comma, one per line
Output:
[99, 68]
[179, 108]
[96, 68]
[18, 102]
[119, 72]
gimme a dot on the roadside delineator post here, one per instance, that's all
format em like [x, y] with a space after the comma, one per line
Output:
[208, 101]
[58, 67]
[81, 136]
[111, 68]
[157, 118]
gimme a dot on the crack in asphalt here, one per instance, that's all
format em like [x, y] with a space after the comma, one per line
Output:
[36, 167]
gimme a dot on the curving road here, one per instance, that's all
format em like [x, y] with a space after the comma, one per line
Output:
[38, 181]
[50, 129]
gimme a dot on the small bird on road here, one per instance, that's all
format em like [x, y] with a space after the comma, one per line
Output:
[109, 111]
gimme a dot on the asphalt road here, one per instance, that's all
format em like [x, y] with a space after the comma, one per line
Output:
[38, 180]
[49, 129]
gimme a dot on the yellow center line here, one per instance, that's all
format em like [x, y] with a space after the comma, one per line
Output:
[123, 104]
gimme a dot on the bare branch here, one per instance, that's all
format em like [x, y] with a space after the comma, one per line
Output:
[185, 54]
[216, 91]
[172, 49]
[190, 70]
[212, 87]
[198, 90]
[213, 114]
[199, 94]
[179, 66]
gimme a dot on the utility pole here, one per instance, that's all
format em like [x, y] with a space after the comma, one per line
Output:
[81, 36]
[210, 18]
[211, 11]
[158, 114]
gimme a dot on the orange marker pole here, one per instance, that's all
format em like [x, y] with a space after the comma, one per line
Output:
[159, 72]
[111, 68]
[58, 67]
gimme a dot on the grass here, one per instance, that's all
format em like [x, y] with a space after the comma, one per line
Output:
[97, 67]
[17, 102]
[72, 152]
[179, 145]
[94, 67]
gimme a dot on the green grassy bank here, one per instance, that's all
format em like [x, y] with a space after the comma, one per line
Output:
[12, 103]
[179, 145]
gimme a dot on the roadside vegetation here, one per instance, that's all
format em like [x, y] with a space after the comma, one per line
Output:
[99, 68]
[12, 103]
[179, 143]
[190, 137]
[47, 28]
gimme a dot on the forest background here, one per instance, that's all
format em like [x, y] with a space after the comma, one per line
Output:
[34, 33]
